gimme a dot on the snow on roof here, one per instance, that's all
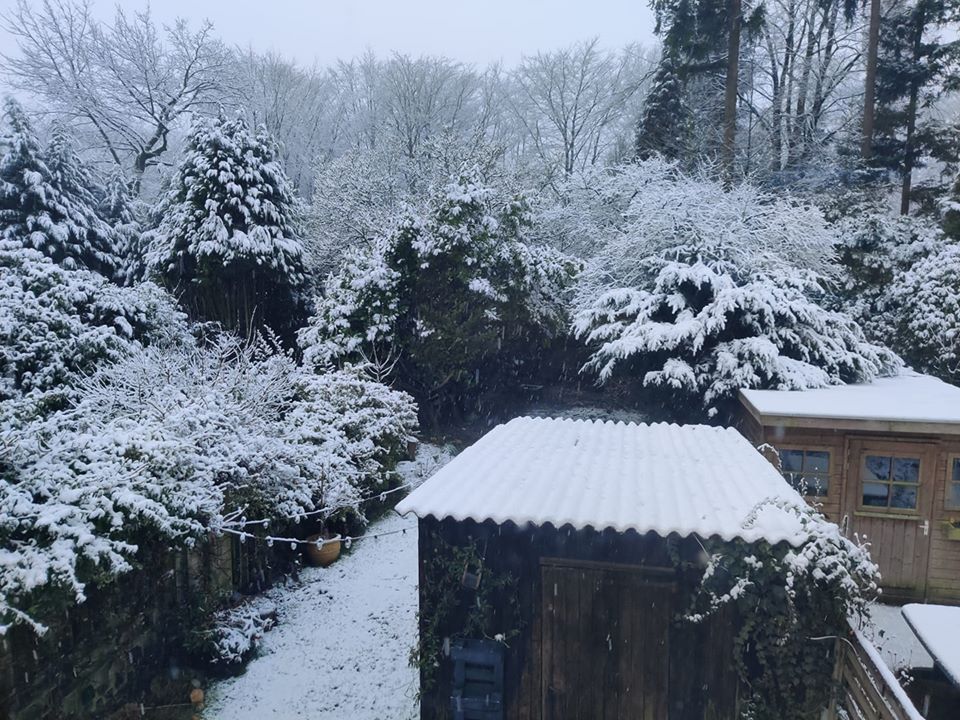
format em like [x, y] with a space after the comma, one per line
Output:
[662, 478]
[909, 398]
[938, 628]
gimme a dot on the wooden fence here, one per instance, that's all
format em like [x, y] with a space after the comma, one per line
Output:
[866, 688]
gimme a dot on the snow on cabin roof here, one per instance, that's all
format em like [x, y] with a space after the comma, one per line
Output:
[905, 398]
[938, 629]
[662, 478]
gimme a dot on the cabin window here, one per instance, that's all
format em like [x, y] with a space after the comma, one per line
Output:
[953, 487]
[807, 470]
[891, 482]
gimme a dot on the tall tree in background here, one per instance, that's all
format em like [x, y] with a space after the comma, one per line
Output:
[227, 240]
[704, 37]
[732, 81]
[914, 68]
[870, 82]
[664, 126]
[125, 84]
[568, 101]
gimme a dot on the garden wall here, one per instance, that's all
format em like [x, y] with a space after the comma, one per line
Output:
[123, 645]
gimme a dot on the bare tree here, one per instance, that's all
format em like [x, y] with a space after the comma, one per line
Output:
[127, 83]
[569, 99]
[296, 105]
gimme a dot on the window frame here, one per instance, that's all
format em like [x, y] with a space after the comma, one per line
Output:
[953, 459]
[830, 476]
[891, 483]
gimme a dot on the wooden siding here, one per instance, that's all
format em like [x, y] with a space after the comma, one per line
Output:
[702, 690]
[935, 558]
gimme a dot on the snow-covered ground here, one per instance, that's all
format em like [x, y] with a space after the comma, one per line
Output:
[897, 643]
[344, 635]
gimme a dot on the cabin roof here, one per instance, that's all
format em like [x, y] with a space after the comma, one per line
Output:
[666, 479]
[908, 402]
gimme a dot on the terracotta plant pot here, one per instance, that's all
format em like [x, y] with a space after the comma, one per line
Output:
[322, 556]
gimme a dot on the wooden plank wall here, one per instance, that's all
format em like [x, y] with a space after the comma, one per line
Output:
[943, 564]
[704, 688]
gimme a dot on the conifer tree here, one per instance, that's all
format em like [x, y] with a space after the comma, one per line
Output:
[46, 201]
[116, 207]
[664, 126]
[227, 240]
[914, 67]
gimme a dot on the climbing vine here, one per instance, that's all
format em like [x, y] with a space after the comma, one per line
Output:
[464, 599]
[791, 602]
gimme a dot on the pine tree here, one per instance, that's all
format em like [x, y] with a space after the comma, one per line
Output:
[116, 207]
[227, 240]
[913, 69]
[46, 201]
[664, 126]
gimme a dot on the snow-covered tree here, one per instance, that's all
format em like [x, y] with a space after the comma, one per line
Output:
[450, 298]
[47, 198]
[117, 207]
[360, 193]
[664, 126]
[227, 240]
[703, 290]
[127, 83]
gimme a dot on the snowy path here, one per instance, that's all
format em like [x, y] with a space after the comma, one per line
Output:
[340, 649]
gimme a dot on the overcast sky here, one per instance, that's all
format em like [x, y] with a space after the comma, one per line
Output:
[478, 31]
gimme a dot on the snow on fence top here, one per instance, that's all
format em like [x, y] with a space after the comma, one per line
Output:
[938, 628]
[906, 398]
[662, 478]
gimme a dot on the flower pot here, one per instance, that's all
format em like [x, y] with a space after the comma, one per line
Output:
[953, 531]
[325, 555]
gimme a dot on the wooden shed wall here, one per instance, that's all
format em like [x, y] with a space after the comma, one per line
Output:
[704, 688]
[942, 562]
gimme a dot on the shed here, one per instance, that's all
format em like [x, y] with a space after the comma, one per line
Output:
[882, 459]
[588, 534]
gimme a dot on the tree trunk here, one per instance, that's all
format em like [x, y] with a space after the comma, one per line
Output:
[730, 96]
[870, 83]
[912, 106]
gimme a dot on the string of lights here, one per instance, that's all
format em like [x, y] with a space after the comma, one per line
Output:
[347, 540]
[230, 523]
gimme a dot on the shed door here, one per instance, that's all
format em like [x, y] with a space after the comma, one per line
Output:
[889, 499]
[604, 651]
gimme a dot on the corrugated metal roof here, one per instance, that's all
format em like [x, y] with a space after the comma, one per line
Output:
[906, 398]
[662, 478]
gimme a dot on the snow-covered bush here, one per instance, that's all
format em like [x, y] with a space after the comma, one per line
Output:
[927, 295]
[47, 201]
[57, 325]
[160, 445]
[874, 248]
[232, 634]
[702, 290]
[790, 603]
[446, 301]
[227, 240]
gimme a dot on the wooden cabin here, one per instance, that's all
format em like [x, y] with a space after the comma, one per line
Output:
[883, 460]
[557, 559]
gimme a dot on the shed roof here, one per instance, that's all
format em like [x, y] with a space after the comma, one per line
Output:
[938, 628]
[886, 403]
[667, 479]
